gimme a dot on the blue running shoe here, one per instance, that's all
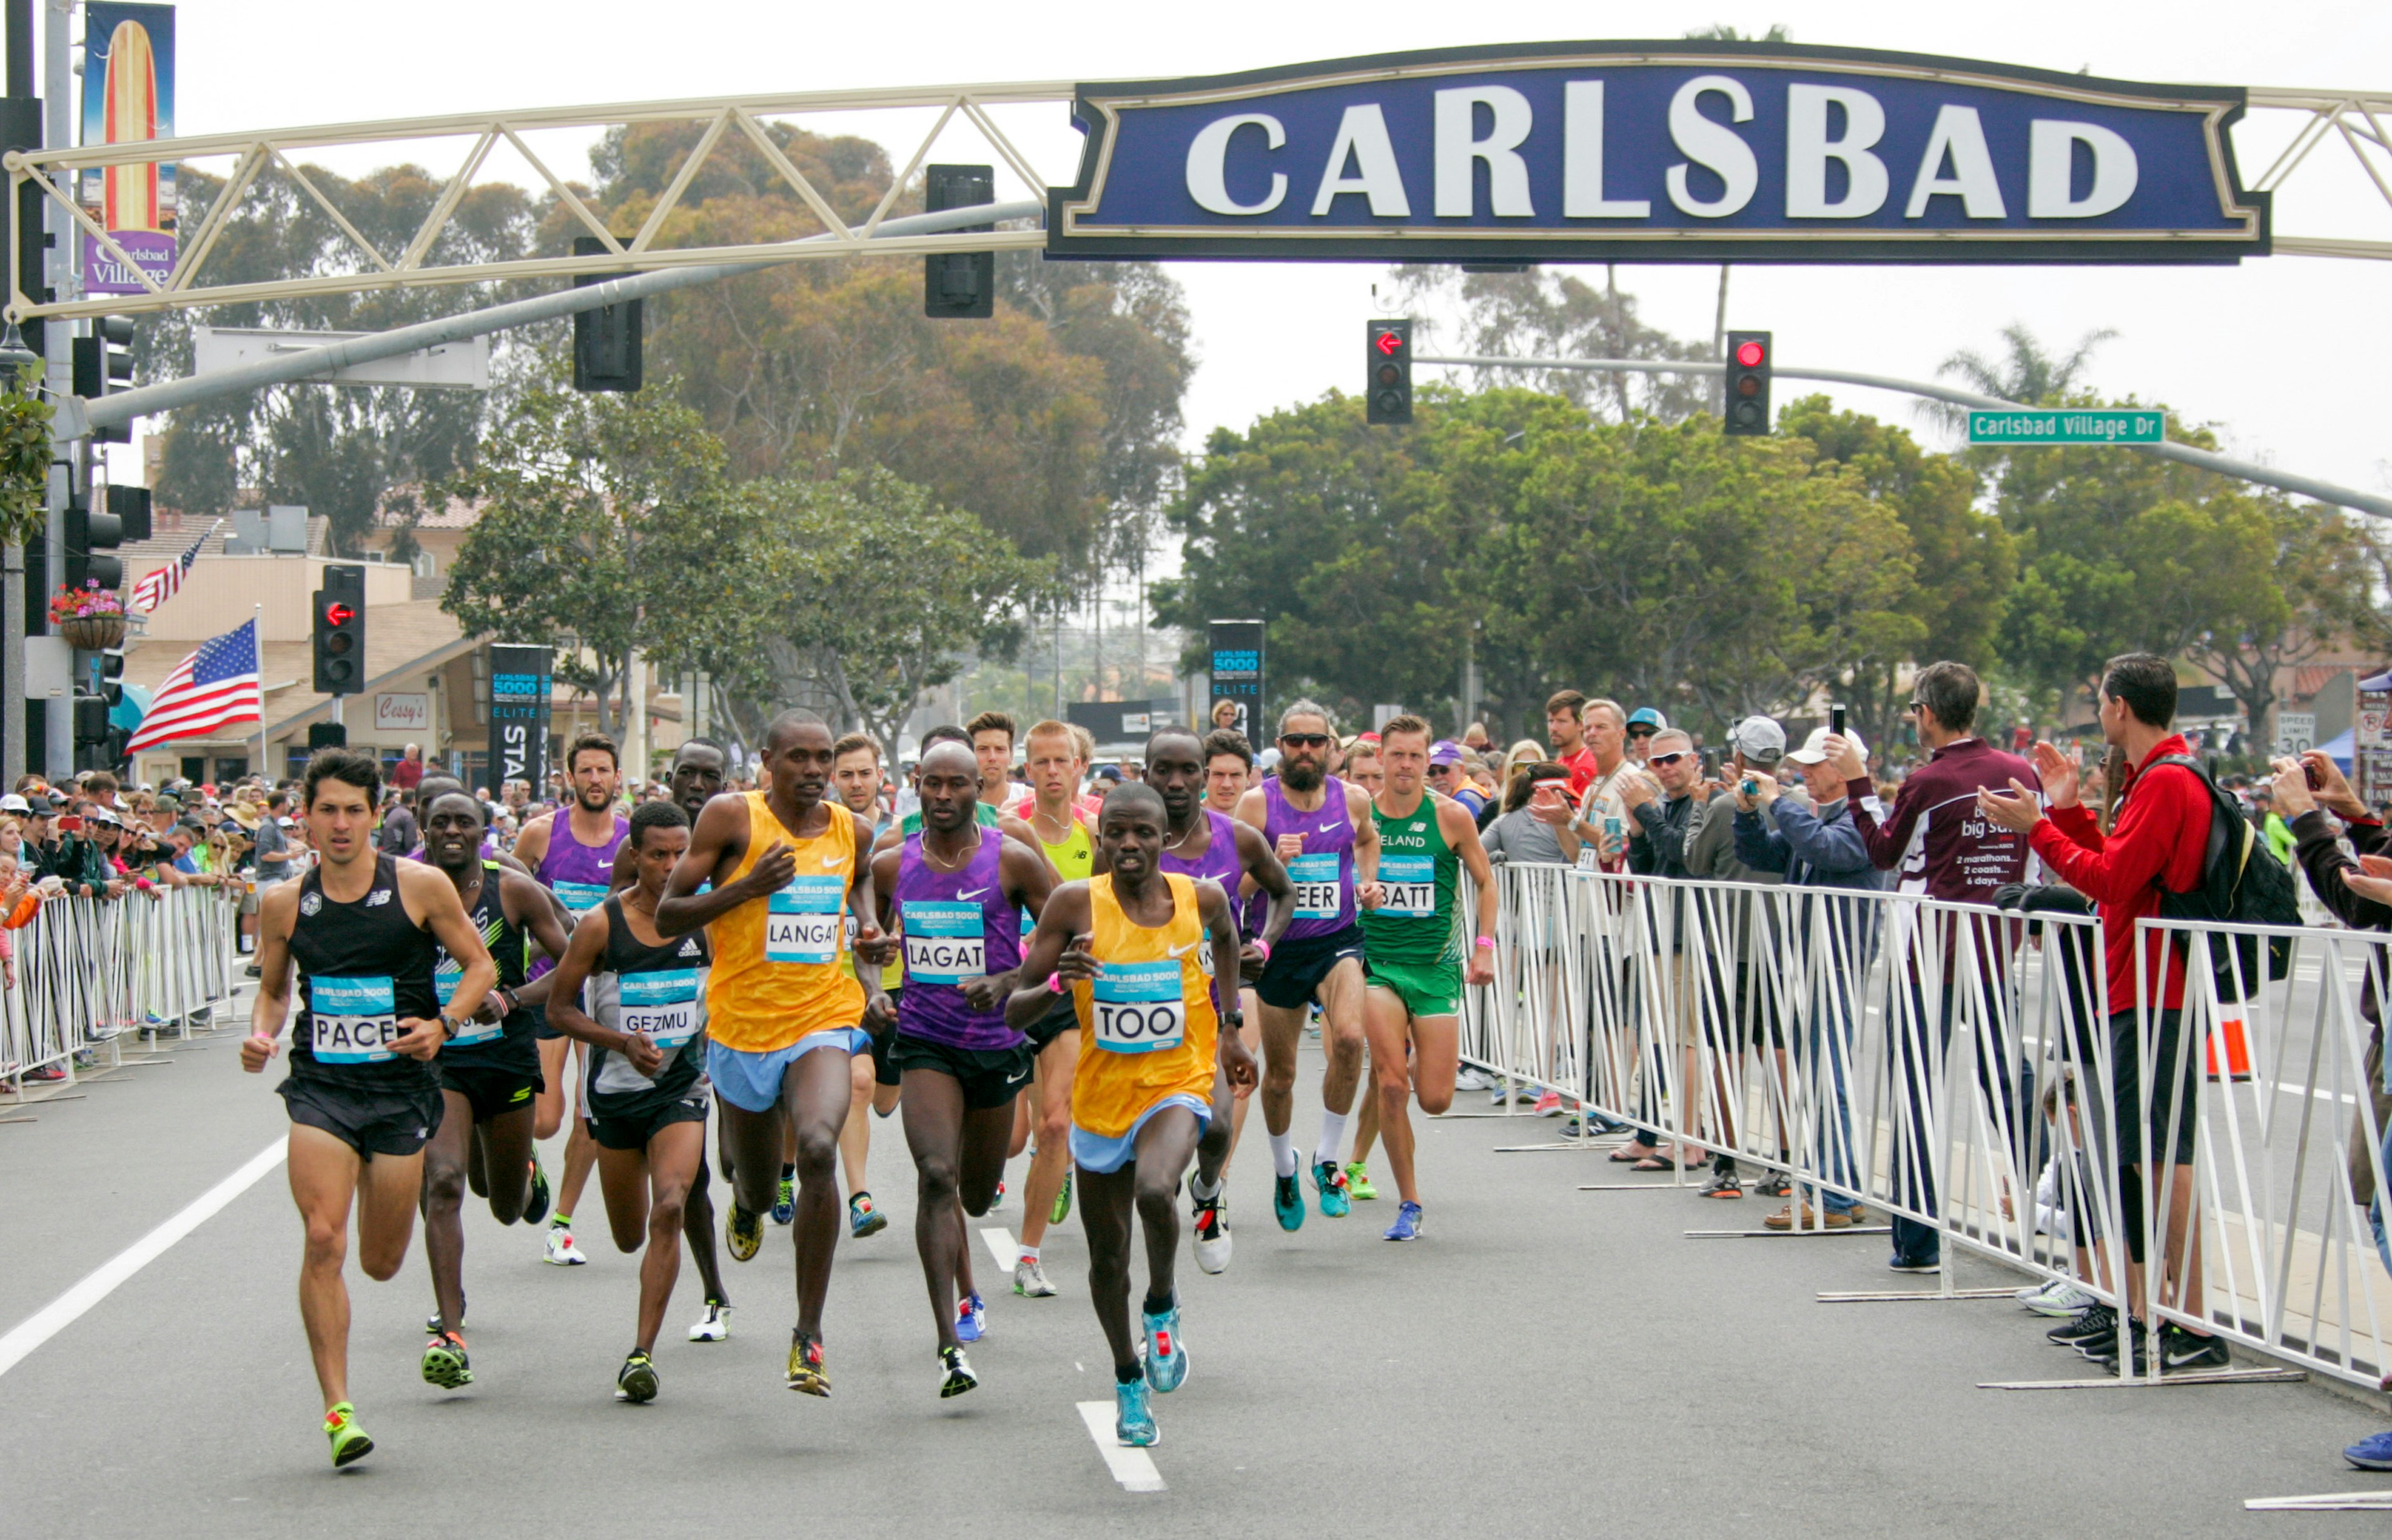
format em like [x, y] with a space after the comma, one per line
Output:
[1287, 1202]
[784, 1202]
[1336, 1199]
[1133, 1424]
[2374, 1452]
[1407, 1223]
[971, 1318]
[1166, 1355]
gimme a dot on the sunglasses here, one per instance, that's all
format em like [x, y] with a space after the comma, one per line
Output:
[1304, 740]
[1665, 758]
[1641, 732]
[1912, 706]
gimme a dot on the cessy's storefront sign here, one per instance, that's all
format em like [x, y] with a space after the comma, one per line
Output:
[1659, 152]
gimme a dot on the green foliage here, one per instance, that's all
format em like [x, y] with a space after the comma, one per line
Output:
[24, 460]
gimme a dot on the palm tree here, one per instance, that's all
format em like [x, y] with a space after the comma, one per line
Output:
[2028, 376]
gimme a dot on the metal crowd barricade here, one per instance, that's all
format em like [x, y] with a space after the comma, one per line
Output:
[90, 971]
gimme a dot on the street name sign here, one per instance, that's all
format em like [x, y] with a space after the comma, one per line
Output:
[2077, 425]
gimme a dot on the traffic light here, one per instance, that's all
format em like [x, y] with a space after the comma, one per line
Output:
[131, 506]
[92, 539]
[1387, 387]
[959, 286]
[605, 340]
[90, 719]
[103, 362]
[111, 676]
[1749, 358]
[340, 632]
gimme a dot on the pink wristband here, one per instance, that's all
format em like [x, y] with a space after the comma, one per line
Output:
[1487, 942]
[1263, 947]
[1055, 983]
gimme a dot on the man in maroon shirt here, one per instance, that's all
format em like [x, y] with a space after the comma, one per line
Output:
[2158, 842]
[1945, 850]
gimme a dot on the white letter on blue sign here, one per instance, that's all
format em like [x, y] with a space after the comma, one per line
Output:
[1362, 132]
[1583, 157]
[1808, 150]
[1713, 145]
[1458, 146]
[2051, 156]
[1208, 154]
[1961, 134]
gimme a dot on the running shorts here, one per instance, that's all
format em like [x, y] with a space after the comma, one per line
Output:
[631, 1127]
[541, 1031]
[491, 1093]
[752, 1081]
[1060, 1017]
[884, 1072]
[1296, 969]
[1095, 1153]
[371, 1121]
[1426, 989]
[990, 1076]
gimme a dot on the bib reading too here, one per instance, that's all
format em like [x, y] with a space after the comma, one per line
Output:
[352, 1020]
[1138, 1008]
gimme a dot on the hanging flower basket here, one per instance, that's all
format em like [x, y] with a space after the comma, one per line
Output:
[92, 632]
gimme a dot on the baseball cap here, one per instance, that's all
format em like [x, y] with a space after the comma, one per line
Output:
[1761, 741]
[1815, 747]
[1445, 751]
[101, 815]
[39, 806]
[1645, 716]
[12, 803]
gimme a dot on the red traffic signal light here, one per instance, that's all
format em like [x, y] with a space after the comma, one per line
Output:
[1387, 385]
[1746, 400]
[1750, 354]
[1389, 341]
[338, 613]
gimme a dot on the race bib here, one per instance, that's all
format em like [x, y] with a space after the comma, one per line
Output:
[945, 941]
[352, 1020]
[1318, 891]
[803, 923]
[580, 897]
[662, 1005]
[1410, 884]
[446, 977]
[1138, 1008]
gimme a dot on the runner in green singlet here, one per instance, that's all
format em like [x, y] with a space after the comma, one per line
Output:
[1052, 755]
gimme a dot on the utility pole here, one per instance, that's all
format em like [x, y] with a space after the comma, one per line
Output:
[58, 346]
[13, 714]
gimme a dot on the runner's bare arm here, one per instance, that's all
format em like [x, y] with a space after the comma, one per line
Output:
[276, 913]
[432, 903]
[626, 868]
[884, 885]
[1262, 866]
[568, 1016]
[1460, 833]
[535, 909]
[871, 935]
[716, 847]
[1367, 891]
[1221, 927]
[531, 841]
[1029, 881]
[1061, 932]
[1012, 827]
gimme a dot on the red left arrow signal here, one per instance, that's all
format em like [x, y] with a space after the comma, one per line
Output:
[339, 615]
[1390, 342]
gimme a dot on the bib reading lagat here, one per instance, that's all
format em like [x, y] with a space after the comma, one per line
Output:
[662, 1005]
[1138, 1008]
[352, 1020]
[445, 976]
[802, 922]
[945, 941]
[580, 897]
[1410, 884]
[1317, 895]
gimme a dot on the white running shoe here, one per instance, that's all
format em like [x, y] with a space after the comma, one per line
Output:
[1029, 1280]
[561, 1251]
[2062, 1298]
[712, 1326]
[1213, 1242]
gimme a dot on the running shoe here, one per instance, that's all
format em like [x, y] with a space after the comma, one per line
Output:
[742, 1231]
[433, 1326]
[2034, 1291]
[350, 1443]
[1133, 1423]
[1407, 1223]
[2104, 1351]
[1357, 1182]
[444, 1362]
[2093, 1323]
[1548, 1104]
[1775, 1183]
[636, 1380]
[1336, 1201]
[956, 1374]
[561, 1250]
[1723, 1183]
[999, 1201]
[714, 1325]
[785, 1201]
[1029, 1280]
[1467, 1078]
[1287, 1202]
[1166, 1355]
[536, 1206]
[2062, 1298]
[1212, 1232]
[2372, 1452]
[1926, 1268]
[972, 1318]
[863, 1219]
[1062, 1210]
[2180, 1349]
[806, 1372]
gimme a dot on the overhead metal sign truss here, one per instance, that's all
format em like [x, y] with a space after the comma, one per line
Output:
[1809, 153]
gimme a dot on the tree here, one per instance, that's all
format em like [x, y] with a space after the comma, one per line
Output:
[1542, 313]
[2027, 375]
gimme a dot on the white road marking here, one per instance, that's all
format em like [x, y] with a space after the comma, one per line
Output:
[1132, 1467]
[1001, 1246]
[103, 1280]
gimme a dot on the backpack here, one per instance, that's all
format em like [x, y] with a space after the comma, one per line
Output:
[2240, 884]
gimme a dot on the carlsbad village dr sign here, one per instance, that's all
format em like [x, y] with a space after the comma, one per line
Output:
[1659, 153]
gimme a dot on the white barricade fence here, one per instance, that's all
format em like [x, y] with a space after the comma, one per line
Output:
[89, 970]
[1947, 1069]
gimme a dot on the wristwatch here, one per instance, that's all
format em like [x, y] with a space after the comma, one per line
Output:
[507, 997]
[1234, 1017]
[449, 1025]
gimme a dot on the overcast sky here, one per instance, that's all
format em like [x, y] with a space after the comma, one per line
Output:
[2286, 354]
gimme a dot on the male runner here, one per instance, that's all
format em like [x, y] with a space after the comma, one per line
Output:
[697, 777]
[1321, 828]
[782, 1022]
[363, 1097]
[572, 853]
[489, 1070]
[1199, 842]
[1412, 953]
[856, 774]
[647, 1092]
[1138, 948]
[953, 891]
[991, 735]
[1056, 766]
[1229, 769]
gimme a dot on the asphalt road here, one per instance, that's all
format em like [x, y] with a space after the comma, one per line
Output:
[1546, 1359]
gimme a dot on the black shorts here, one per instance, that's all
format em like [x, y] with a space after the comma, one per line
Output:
[990, 1076]
[1062, 1017]
[632, 1121]
[541, 1031]
[883, 1072]
[370, 1119]
[1296, 969]
[2169, 1053]
[492, 1092]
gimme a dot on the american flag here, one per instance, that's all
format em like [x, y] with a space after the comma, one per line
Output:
[214, 687]
[160, 586]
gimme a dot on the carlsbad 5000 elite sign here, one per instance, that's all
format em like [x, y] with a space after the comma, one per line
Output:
[1659, 152]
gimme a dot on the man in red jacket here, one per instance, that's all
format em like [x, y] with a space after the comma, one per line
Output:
[2158, 842]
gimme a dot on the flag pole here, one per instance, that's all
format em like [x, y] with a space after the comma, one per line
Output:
[258, 617]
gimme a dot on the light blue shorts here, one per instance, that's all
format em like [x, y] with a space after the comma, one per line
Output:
[1105, 1155]
[752, 1081]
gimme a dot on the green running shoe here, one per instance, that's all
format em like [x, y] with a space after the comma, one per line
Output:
[349, 1442]
[636, 1381]
[445, 1364]
[1357, 1182]
[742, 1231]
[1062, 1210]
[784, 1202]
